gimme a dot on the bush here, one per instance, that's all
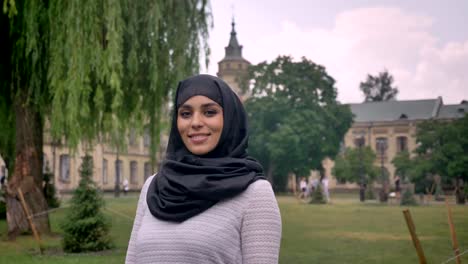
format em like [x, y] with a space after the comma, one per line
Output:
[370, 195]
[2, 209]
[85, 227]
[408, 198]
[49, 191]
[439, 193]
[317, 196]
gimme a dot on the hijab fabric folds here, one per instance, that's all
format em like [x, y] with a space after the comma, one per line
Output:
[188, 184]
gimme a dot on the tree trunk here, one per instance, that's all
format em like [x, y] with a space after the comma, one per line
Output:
[270, 174]
[27, 173]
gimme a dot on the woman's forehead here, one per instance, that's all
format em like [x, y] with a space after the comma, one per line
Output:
[199, 101]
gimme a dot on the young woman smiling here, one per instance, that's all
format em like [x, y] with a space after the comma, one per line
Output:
[210, 202]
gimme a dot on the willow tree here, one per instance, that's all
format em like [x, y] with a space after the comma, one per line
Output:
[88, 68]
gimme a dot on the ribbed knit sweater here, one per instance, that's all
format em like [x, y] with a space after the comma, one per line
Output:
[243, 229]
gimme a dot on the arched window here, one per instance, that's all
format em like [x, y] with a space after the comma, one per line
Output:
[119, 169]
[402, 144]
[133, 172]
[65, 167]
[381, 145]
[104, 171]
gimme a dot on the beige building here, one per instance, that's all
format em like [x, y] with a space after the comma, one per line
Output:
[392, 123]
[134, 164]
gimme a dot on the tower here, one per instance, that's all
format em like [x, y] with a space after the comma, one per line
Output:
[233, 67]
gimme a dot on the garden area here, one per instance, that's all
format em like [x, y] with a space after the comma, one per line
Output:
[344, 231]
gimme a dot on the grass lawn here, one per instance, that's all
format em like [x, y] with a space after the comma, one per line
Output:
[342, 232]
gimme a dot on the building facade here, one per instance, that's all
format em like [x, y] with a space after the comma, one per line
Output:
[392, 124]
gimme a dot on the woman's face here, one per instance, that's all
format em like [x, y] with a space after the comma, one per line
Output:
[200, 123]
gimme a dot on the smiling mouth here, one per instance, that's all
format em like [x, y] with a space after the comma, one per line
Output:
[198, 139]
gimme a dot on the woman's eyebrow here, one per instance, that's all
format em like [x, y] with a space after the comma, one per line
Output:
[210, 104]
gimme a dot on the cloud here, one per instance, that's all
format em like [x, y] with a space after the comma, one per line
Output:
[367, 40]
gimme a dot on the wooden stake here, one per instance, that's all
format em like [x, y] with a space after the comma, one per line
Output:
[31, 223]
[414, 237]
[456, 250]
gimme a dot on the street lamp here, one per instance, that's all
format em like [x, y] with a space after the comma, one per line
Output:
[382, 147]
[360, 142]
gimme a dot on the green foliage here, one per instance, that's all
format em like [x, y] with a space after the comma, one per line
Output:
[379, 88]
[97, 68]
[403, 164]
[2, 205]
[317, 196]
[85, 227]
[443, 149]
[352, 162]
[370, 195]
[295, 119]
[439, 193]
[407, 198]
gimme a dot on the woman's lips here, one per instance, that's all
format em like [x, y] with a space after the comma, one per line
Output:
[198, 139]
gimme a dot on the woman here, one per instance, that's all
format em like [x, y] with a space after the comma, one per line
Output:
[210, 202]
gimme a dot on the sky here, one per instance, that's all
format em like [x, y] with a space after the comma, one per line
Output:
[423, 44]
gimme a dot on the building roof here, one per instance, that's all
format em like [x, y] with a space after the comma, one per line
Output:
[407, 110]
[233, 50]
[453, 111]
[396, 110]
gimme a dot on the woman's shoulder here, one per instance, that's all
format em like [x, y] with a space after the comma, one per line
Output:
[148, 182]
[259, 187]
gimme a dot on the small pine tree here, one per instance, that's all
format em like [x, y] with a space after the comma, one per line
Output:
[85, 227]
[317, 196]
[408, 198]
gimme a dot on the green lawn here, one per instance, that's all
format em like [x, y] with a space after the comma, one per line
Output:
[342, 232]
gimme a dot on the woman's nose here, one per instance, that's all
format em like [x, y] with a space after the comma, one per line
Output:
[197, 120]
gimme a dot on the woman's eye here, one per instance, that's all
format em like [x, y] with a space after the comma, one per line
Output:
[184, 114]
[211, 112]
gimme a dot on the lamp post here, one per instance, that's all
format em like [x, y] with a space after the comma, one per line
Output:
[382, 147]
[360, 142]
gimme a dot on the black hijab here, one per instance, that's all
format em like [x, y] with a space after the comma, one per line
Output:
[188, 184]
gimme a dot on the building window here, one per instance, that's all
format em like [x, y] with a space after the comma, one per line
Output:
[132, 138]
[381, 145]
[119, 170]
[45, 164]
[65, 167]
[104, 171]
[402, 144]
[147, 170]
[239, 66]
[133, 172]
[359, 142]
[146, 138]
[228, 66]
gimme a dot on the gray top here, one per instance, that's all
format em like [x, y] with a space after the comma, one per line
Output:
[244, 229]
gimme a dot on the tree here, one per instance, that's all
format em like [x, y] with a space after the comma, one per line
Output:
[379, 88]
[88, 69]
[444, 144]
[295, 119]
[356, 165]
[85, 227]
[402, 163]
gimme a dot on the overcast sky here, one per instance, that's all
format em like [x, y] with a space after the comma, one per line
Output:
[423, 44]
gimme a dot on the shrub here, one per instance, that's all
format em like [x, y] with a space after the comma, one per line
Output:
[50, 191]
[408, 198]
[317, 196]
[85, 227]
